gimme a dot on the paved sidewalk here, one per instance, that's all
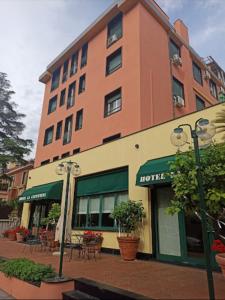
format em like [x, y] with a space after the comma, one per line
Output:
[150, 278]
[4, 295]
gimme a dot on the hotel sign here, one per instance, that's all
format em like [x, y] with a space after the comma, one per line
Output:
[152, 178]
[33, 197]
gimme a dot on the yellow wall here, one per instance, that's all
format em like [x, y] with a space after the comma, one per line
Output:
[153, 143]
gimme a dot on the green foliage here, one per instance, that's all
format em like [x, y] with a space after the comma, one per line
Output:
[26, 270]
[184, 181]
[129, 216]
[53, 215]
[12, 147]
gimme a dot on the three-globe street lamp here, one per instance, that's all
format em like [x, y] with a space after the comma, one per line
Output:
[68, 168]
[202, 137]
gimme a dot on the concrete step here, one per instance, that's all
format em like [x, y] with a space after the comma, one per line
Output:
[77, 295]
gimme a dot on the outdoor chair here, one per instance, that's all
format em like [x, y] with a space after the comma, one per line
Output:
[73, 245]
[31, 242]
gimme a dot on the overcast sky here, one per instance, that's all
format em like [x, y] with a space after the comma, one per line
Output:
[34, 32]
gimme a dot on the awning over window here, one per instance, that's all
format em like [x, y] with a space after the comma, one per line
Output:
[49, 191]
[154, 171]
[109, 182]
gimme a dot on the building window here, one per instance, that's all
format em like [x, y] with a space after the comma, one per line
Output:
[52, 105]
[82, 82]
[174, 49]
[94, 211]
[79, 120]
[55, 158]
[84, 55]
[200, 104]
[58, 130]
[74, 64]
[65, 71]
[62, 97]
[114, 61]
[114, 30]
[71, 95]
[178, 88]
[65, 155]
[48, 135]
[55, 79]
[45, 162]
[113, 102]
[24, 178]
[67, 130]
[111, 138]
[197, 73]
[213, 89]
[77, 150]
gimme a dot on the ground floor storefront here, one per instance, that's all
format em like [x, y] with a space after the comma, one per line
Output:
[135, 168]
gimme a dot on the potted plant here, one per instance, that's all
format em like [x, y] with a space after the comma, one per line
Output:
[129, 218]
[11, 234]
[219, 247]
[21, 233]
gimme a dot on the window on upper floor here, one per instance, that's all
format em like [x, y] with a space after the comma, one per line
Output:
[71, 95]
[115, 31]
[113, 102]
[55, 79]
[48, 135]
[200, 103]
[55, 158]
[178, 88]
[82, 83]
[74, 64]
[52, 105]
[62, 97]
[45, 162]
[79, 119]
[174, 49]
[24, 178]
[58, 130]
[114, 61]
[111, 138]
[68, 130]
[66, 154]
[84, 54]
[197, 73]
[65, 71]
[76, 150]
[213, 88]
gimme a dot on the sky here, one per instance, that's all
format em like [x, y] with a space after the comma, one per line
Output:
[34, 32]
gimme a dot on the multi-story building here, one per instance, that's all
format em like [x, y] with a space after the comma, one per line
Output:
[130, 70]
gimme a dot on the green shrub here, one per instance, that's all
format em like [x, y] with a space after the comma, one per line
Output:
[26, 270]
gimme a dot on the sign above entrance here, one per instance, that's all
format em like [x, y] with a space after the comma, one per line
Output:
[154, 171]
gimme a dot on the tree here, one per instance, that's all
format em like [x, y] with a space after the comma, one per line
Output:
[13, 148]
[185, 186]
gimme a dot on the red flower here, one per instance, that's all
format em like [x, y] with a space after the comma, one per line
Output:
[218, 246]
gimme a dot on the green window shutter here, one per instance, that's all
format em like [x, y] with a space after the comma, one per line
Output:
[178, 89]
[104, 183]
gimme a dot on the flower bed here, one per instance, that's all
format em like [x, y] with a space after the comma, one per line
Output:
[24, 279]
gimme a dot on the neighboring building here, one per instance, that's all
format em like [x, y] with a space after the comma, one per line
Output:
[130, 70]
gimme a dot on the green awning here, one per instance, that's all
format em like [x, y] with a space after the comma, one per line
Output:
[114, 181]
[49, 191]
[154, 171]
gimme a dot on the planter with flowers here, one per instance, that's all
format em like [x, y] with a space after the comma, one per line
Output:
[11, 234]
[129, 218]
[21, 233]
[218, 246]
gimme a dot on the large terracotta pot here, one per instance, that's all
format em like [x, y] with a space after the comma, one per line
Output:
[128, 247]
[220, 258]
[19, 237]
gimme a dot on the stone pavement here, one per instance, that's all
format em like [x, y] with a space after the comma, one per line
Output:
[3, 295]
[150, 278]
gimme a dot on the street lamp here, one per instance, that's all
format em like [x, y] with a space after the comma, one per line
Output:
[202, 137]
[68, 168]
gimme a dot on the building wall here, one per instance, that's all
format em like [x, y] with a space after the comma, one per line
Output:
[153, 143]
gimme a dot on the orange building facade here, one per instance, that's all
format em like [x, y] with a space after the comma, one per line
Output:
[128, 71]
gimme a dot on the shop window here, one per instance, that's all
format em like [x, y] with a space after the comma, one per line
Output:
[58, 130]
[55, 79]
[71, 95]
[113, 102]
[114, 61]
[178, 88]
[74, 64]
[62, 97]
[200, 104]
[48, 135]
[82, 82]
[67, 130]
[111, 138]
[52, 105]
[84, 56]
[65, 71]
[197, 73]
[174, 49]
[213, 89]
[114, 30]
[79, 120]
